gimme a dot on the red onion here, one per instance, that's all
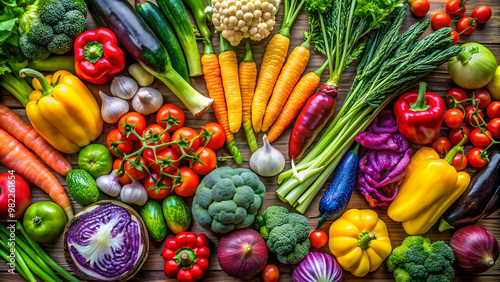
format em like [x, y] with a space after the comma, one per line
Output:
[242, 254]
[317, 267]
[475, 248]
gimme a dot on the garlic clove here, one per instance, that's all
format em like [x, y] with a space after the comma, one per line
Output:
[112, 108]
[109, 184]
[147, 100]
[267, 161]
[124, 87]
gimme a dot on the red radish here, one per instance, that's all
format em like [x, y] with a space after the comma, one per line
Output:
[475, 248]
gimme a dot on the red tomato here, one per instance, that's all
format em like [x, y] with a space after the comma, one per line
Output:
[466, 25]
[454, 8]
[482, 14]
[483, 98]
[479, 139]
[115, 136]
[164, 185]
[441, 145]
[440, 20]
[455, 35]
[459, 162]
[493, 110]
[218, 137]
[473, 118]
[134, 172]
[475, 159]
[459, 95]
[125, 179]
[318, 238]
[208, 158]
[154, 130]
[174, 111]
[270, 273]
[494, 127]
[419, 8]
[453, 118]
[190, 181]
[456, 135]
[167, 154]
[136, 120]
[190, 134]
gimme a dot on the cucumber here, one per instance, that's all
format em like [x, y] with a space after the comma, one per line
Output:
[177, 214]
[153, 218]
[153, 16]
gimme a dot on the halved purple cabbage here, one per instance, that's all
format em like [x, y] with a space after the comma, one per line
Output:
[318, 267]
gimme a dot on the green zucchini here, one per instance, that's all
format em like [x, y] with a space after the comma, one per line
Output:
[152, 215]
[177, 15]
[177, 214]
[197, 8]
[153, 16]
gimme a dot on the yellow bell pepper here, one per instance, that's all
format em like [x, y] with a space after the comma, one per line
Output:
[360, 241]
[63, 110]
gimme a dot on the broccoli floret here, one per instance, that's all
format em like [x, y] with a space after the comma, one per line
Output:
[401, 275]
[395, 259]
[435, 263]
[31, 50]
[70, 5]
[299, 252]
[300, 226]
[39, 33]
[448, 272]
[58, 28]
[440, 247]
[416, 270]
[60, 44]
[282, 239]
[436, 278]
[50, 11]
[74, 23]
[415, 254]
[413, 240]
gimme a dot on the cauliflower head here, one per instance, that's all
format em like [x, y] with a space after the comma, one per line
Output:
[238, 19]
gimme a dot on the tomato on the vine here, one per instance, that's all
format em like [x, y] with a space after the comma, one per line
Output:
[137, 121]
[125, 145]
[218, 137]
[459, 162]
[135, 172]
[154, 130]
[455, 35]
[441, 145]
[125, 179]
[455, 8]
[318, 238]
[475, 159]
[466, 25]
[482, 14]
[190, 182]
[479, 139]
[270, 273]
[175, 111]
[459, 95]
[494, 127]
[164, 155]
[164, 190]
[453, 118]
[472, 117]
[440, 20]
[456, 135]
[493, 110]
[190, 134]
[208, 158]
[482, 98]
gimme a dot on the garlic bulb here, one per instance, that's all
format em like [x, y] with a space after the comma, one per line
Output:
[124, 87]
[109, 184]
[142, 76]
[134, 193]
[267, 160]
[112, 108]
[147, 101]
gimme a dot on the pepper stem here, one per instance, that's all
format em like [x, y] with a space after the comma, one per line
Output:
[46, 87]
[37, 220]
[185, 258]
[420, 103]
[365, 239]
[457, 149]
[93, 52]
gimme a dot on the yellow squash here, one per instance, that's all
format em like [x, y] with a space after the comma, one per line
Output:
[63, 110]
[360, 241]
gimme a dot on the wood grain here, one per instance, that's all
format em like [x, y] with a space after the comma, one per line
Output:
[438, 82]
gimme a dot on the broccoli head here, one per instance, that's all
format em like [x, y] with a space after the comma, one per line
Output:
[70, 5]
[31, 50]
[74, 23]
[401, 275]
[440, 247]
[416, 270]
[50, 11]
[60, 44]
[39, 33]
[435, 263]
[299, 252]
[395, 259]
[415, 254]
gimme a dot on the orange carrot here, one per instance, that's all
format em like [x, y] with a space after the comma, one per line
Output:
[290, 74]
[15, 156]
[248, 78]
[14, 125]
[230, 81]
[302, 91]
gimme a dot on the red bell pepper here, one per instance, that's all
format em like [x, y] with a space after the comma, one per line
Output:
[97, 56]
[186, 256]
[419, 115]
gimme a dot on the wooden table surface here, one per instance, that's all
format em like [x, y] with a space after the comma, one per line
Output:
[438, 82]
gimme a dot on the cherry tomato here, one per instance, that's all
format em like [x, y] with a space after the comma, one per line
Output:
[318, 238]
[440, 20]
[482, 98]
[270, 273]
[138, 121]
[441, 145]
[494, 127]
[154, 130]
[479, 139]
[459, 95]
[134, 172]
[217, 139]
[115, 136]
[459, 162]
[455, 35]
[466, 25]
[164, 155]
[453, 118]
[175, 111]
[493, 110]
[125, 179]
[190, 134]
[208, 158]
[471, 118]
[475, 159]
[190, 181]
[456, 135]
[419, 8]
[453, 8]
[482, 14]
[163, 192]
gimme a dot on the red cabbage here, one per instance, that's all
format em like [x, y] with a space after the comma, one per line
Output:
[318, 267]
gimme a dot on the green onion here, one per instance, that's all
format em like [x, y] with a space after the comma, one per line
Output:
[20, 261]
[6, 257]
